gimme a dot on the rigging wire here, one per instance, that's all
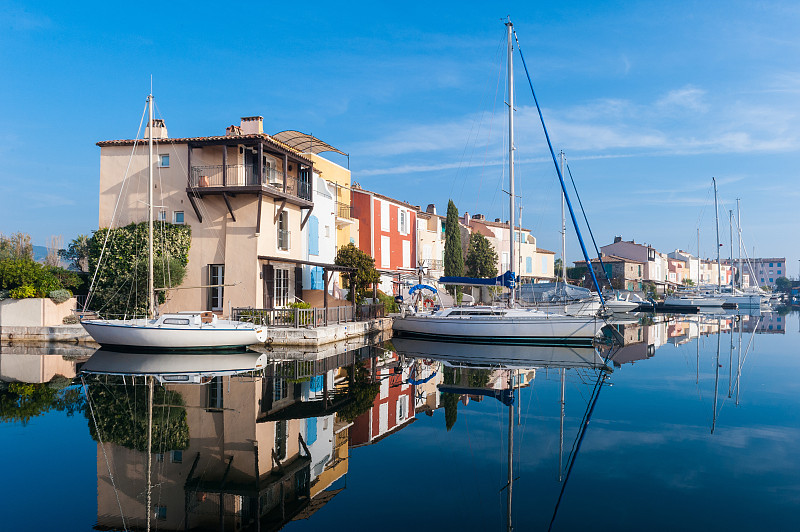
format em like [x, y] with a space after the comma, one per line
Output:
[594, 242]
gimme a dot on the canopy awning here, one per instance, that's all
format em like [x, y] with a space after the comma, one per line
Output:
[305, 143]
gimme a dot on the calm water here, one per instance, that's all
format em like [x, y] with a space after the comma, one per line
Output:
[695, 426]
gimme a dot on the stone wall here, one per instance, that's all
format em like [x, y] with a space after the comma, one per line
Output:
[34, 312]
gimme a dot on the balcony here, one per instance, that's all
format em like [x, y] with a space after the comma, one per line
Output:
[344, 215]
[239, 178]
[434, 265]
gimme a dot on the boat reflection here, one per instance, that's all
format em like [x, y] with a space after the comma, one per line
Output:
[238, 441]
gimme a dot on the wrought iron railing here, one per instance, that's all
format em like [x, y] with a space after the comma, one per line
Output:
[240, 175]
[308, 317]
[343, 211]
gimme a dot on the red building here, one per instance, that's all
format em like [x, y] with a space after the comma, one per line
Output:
[387, 230]
[392, 409]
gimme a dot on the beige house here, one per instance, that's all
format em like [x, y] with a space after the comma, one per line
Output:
[533, 264]
[430, 241]
[246, 195]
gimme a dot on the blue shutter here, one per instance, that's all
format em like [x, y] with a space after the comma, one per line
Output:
[316, 278]
[311, 430]
[313, 236]
[529, 264]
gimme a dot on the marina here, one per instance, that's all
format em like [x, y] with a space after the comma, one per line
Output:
[682, 399]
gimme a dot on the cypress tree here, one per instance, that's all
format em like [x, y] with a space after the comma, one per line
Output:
[453, 258]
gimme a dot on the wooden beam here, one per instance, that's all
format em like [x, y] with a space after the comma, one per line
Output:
[225, 170]
[308, 215]
[194, 206]
[228, 203]
[260, 163]
[281, 207]
[258, 220]
[285, 171]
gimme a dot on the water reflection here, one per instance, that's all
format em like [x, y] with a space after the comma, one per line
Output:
[266, 440]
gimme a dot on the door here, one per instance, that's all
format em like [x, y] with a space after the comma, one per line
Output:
[216, 278]
[268, 274]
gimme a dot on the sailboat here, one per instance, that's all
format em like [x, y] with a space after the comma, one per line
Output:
[188, 330]
[500, 324]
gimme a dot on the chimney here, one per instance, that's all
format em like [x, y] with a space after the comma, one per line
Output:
[431, 209]
[159, 130]
[478, 217]
[252, 125]
[497, 220]
[465, 219]
[617, 239]
[233, 131]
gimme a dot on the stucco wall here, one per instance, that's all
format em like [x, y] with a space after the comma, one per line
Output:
[34, 312]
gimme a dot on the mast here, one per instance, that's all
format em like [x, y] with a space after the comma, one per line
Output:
[739, 235]
[716, 216]
[151, 307]
[564, 231]
[510, 450]
[698, 257]
[510, 30]
[561, 431]
[149, 446]
[716, 376]
[730, 224]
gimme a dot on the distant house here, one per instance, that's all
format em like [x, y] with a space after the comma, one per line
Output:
[625, 274]
[761, 271]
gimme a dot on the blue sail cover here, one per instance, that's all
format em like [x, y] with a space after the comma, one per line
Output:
[507, 280]
[421, 287]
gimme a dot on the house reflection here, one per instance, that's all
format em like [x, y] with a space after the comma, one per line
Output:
[263, 448]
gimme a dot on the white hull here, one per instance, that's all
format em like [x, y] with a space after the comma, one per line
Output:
[504, 326]
[173, 367]
[570, 308]
[621, 307]
[157, 335]
[695, 301]
[503, 355]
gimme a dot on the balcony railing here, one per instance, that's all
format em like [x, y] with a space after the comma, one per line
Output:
[435, 264]
[308, 317]
[343, 211]
[240, 175]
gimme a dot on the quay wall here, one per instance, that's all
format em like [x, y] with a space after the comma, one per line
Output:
[34, 312]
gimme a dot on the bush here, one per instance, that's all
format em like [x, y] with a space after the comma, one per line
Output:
[72, 319]
[16, 273]
[59, 296]
[23, 292]
[389, 304]
[299, 304]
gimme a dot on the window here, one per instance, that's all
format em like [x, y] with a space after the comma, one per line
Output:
[528, 265]
[770, 279]
[161, 513]
[283, 231]
[162, 216]
[163, 160]
[216, 278]
[384, 216]
[280, 390]
[176, 457]
[402, 408]
[402, 219]
[215, 393]
[281, 437]
[770, 265]
[176, 321]
[281, 287]
[779, 272]
[177, 217]
[386, 250]
[544, 264]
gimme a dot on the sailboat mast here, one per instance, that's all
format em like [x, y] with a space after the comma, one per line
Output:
[510, 450]
[151, 307]
[563, 231]
[510, 30]
[698, 257]
[739, 237]
[716, 216]
[730, 224]
[149, 446]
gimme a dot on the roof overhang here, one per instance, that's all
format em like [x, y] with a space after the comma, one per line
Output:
[305, 143]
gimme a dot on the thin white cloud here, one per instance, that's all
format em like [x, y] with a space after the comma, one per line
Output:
[688, 97]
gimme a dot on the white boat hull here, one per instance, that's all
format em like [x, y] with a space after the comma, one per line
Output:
[523, 327]
[146, 334]
[695, 301]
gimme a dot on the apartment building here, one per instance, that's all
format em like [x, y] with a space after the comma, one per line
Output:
[250, 201]
[624, 274]
[387, 231]
[761, 271]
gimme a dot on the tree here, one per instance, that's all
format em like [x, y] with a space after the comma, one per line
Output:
[77, 253]
[121, 282]
[688, 282]
[360, 281]
[16, 246]
[481, 257]
[453, 257]
[782, 284]
[558, 266]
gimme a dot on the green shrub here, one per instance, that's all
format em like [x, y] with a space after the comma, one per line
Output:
[23, 292]
[299, 304]
[389, 304]
[15, 273]
[59, 296]
[72, 319]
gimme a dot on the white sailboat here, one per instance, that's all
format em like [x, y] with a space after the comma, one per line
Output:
[501, 324]
[192, 330]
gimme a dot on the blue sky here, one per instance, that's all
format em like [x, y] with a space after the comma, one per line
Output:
[648, 100]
